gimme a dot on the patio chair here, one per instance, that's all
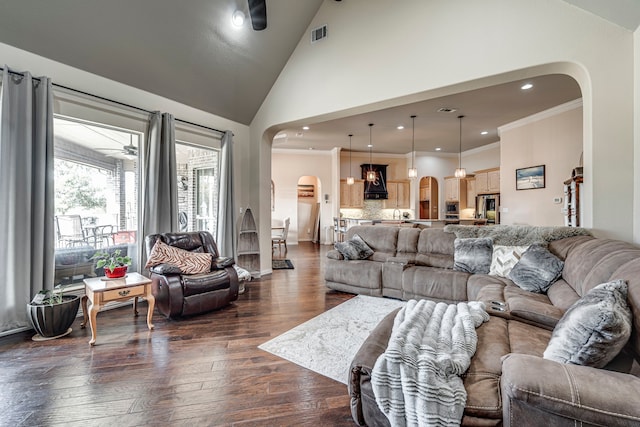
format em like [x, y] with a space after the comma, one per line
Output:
[70, 232]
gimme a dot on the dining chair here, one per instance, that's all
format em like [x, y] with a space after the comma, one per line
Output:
[279, 235]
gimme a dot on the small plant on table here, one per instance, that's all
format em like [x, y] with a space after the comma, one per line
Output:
[114, 264]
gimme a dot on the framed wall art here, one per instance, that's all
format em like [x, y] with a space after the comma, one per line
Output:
[530, 178]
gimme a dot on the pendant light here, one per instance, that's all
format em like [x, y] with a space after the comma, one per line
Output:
[413, 172]
[460, 171]
[371, 174]
[350, 179]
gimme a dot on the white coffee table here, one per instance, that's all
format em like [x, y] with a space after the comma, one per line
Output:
[100, 290]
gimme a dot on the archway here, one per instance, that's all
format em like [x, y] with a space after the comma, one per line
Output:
[308, 208]
[428, 198]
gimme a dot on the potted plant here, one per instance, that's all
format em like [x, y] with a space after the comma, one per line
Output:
[115, 265]
[51, 313]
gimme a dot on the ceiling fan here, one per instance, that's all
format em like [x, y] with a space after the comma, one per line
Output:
[129, 150]
[258, 13]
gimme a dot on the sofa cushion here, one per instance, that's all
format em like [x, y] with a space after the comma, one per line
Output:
[473, 255]
[354, 248]
[187, 262]
[594, 330]
[504, 258]
[537, 269]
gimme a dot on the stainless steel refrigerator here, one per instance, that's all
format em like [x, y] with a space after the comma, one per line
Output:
[488, 207]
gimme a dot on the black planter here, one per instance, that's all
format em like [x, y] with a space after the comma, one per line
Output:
[53, 321]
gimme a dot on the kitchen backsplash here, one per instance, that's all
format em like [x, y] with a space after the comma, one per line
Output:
[374, 209]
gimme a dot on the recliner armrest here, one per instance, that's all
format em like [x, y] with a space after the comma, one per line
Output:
[222, 262]
[165, 269]
[536, 389]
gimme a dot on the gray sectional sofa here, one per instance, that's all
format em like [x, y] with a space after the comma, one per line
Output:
[509, 382]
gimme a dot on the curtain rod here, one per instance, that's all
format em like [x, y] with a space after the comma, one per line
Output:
[117, 102]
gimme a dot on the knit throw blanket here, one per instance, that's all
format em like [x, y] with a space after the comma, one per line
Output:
[417, 380]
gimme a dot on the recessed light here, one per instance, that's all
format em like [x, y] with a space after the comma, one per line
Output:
[400, 127]
[447, 110]
[369, 145]
[305, 127]
[237, 18]
[310, 148]
[526, 86]
[484, 132]
[438, 148]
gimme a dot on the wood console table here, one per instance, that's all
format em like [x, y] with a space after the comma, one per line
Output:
[100, 291]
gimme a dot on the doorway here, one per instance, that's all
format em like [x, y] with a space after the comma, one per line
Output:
[308, 209]
[428, 197]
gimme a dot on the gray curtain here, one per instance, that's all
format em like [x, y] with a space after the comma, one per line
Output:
[159, 180]
[226, 228]
[26, 194]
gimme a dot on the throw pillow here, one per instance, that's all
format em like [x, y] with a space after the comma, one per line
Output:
[356, 248]
[537, 269]
[473, 255]
[187, 262]
[504, 258]
[594, 329]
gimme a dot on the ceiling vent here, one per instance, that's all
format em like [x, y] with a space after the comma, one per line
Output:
[318, 34]
[447, 110]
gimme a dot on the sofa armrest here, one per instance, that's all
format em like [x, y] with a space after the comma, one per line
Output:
[334, 254]
[534, 312]
[400, 260]
[364, 409]
[535, 389]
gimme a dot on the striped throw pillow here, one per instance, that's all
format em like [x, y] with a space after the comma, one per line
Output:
[187, 262]
[504, 258]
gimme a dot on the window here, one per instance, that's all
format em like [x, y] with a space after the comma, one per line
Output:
[96, 197]
[197, 187]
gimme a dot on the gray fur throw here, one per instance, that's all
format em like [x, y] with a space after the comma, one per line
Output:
[512, 235]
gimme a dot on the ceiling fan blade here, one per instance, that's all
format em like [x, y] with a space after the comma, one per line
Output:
[258, 13]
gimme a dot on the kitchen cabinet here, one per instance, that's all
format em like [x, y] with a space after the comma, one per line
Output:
[455, 190]
[352, 196]
[488, 181]
[471, 193]
[399, 193]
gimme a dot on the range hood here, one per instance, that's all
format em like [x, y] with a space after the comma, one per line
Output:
[375, 190]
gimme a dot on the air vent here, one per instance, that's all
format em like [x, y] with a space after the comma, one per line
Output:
[318, 34]
[447, 110]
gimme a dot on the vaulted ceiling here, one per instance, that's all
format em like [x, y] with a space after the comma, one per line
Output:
[191, 53]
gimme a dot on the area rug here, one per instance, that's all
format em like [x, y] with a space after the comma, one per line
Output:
[327, 343]
[281, 264]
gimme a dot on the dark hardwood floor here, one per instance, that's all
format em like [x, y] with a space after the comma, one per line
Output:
[200, 371]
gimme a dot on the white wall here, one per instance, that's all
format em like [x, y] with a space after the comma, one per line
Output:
[486, 157]
[421, 49]
[288, 166]
[552, 138]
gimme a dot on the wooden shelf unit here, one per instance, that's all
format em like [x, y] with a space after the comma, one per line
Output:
[249, 244]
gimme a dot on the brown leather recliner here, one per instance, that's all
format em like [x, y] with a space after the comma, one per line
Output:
[180, 294]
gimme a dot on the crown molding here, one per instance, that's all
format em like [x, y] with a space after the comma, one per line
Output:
[562, 108]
